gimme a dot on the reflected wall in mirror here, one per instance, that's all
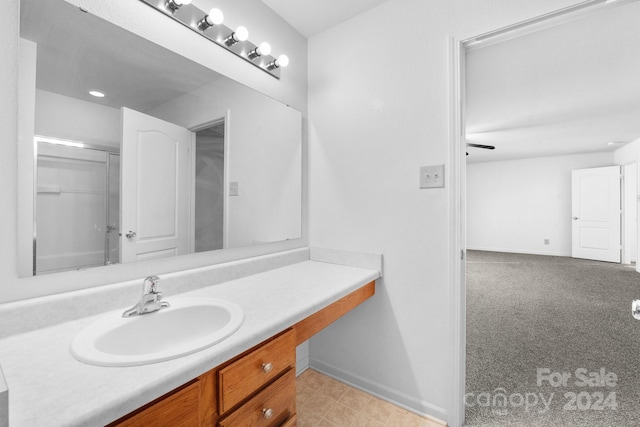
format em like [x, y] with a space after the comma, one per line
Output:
[173, 159]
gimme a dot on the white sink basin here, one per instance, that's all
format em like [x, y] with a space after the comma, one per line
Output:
[190, 324]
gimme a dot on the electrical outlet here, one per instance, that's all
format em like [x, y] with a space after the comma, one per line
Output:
[432, 176]
[233, 188]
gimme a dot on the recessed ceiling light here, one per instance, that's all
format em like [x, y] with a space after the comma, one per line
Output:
[97, 93]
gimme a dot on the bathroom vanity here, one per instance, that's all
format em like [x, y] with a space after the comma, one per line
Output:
[256, 388]
[247, 379]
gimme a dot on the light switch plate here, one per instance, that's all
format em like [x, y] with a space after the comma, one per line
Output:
[432, 176]
[233, 188]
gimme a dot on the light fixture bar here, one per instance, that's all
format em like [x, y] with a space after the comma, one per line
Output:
[209, 25]
[174, 5]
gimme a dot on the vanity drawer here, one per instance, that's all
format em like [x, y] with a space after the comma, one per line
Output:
[180, 408]
[245, 376]
[274, 406]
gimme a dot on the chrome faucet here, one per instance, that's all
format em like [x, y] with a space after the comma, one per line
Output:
[150, 300]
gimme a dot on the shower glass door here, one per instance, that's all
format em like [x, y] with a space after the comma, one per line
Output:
[74, 201]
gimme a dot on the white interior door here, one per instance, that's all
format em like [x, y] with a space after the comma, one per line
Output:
[596, 213]
[154, 187]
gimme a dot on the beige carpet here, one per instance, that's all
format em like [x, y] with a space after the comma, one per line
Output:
[542, 326]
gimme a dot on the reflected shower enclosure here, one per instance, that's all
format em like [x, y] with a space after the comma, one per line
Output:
[77, 200]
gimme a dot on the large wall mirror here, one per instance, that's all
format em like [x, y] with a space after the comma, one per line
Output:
[170, 158]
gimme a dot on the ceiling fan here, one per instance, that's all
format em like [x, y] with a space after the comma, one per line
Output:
[486, 147]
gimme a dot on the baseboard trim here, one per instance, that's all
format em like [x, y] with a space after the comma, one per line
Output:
[302, 365]
[518, 251]
[398, 398]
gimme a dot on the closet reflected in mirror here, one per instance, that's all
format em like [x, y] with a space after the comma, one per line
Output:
[139, 153]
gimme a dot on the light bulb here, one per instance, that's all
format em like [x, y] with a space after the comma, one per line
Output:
[241, 34]
[215, 17]
[264, 48]
[282, 61]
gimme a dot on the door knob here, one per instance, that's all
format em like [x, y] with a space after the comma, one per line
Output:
[131, 234]
[635, 309]
[575, 218]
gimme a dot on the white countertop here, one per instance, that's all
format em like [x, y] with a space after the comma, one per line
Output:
[48, 387]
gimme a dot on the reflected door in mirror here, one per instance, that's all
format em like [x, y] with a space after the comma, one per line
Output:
[155, 187]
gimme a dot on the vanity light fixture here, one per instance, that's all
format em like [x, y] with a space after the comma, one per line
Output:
[282, 61]
[174, 5]
[215, 17]
[263, 49]
[239, 35]
[210, 26]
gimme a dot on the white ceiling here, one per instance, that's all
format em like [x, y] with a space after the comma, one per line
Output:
[571, 88]
[311, 17]
[78, 52]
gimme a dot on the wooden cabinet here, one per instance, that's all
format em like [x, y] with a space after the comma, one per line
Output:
[254, 389]
[248, 374]
[275, 405]
[257, 388]
[180, 408]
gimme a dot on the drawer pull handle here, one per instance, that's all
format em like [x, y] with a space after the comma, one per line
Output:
[267, 413]
[267, 367]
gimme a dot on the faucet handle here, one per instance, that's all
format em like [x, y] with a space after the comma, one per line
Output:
[150, 285]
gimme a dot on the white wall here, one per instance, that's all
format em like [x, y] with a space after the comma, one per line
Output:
[380, 107]
[628, 153]
[513, 206]
[137, 17]
[263, 156]
[24, 156]
[69, 118]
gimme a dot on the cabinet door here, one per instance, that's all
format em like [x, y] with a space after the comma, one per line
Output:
[181, 408]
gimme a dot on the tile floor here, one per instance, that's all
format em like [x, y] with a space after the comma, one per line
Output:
[324, 402]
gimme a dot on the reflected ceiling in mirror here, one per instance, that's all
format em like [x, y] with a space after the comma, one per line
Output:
[230, 177]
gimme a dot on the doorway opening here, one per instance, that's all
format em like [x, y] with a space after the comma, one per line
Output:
[209, 187]
[490, 135]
